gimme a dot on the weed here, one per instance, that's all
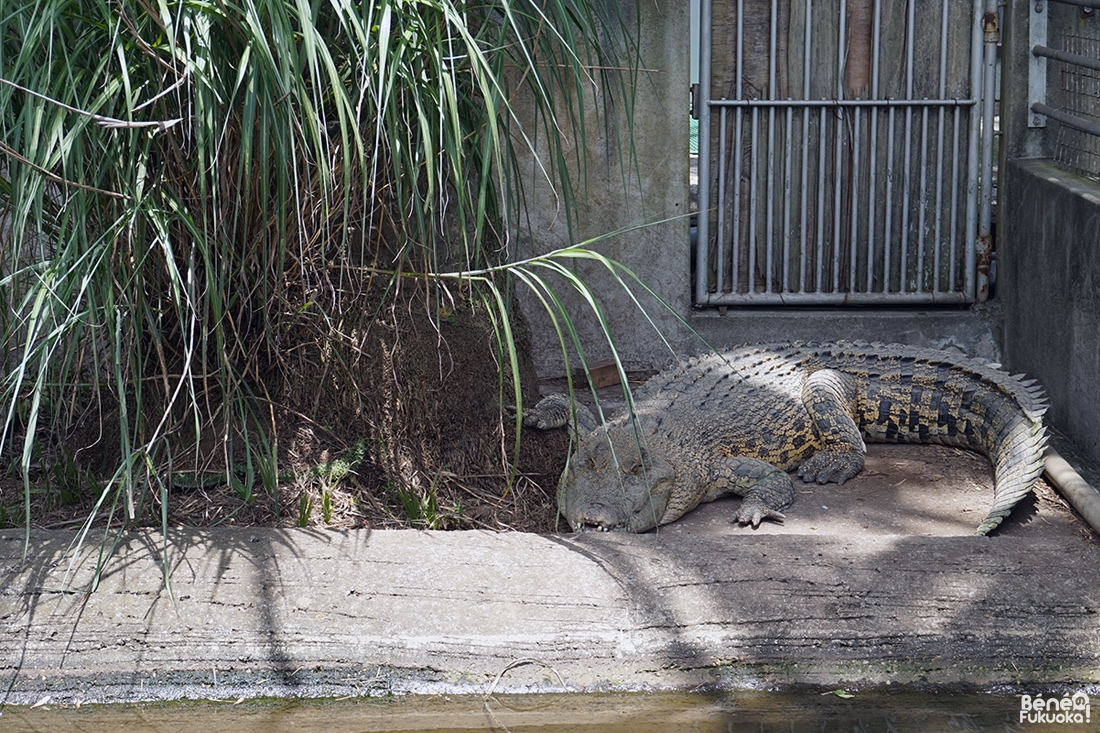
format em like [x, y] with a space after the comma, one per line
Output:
[305, 508]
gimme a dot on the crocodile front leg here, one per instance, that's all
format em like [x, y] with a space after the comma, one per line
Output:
[830, 397]
[556, 411]
[764, 490]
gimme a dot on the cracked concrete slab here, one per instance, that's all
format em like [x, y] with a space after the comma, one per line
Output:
[877, 581]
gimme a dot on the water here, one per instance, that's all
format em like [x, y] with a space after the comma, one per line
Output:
[737, 712]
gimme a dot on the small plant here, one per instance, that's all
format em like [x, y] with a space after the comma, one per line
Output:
[242, 486]
[305, 508]
[334, 472]
[326, 506]
[420, 510]
[66, 478]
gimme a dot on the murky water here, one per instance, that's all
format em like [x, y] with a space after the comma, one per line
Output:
[613, 713]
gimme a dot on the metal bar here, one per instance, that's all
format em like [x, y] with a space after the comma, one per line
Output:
[906, 189]
[953, 232]
[872, 191]
[887, 228]
[971, 220]
[721, 238]
[818, 264]
[853, 208]
[1037, 65]
[838, 169]
[922, 198]
[838, 189]
[1067, 119]
[1078, 3]
[787, 154]
[750, 238]
[738, 82]
[872, 186]
[769, 224]
[803, 255]
[844, 298]
[882, 103]
[740, 90]
[735, 250]
[937, 252]
[1066, 57]
[984, 245]
[702, 245]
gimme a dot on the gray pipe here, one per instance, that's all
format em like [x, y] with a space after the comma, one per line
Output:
[1084, 498]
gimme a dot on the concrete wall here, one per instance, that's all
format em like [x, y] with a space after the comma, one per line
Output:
[1049, 257]
[614, 194]
[1050, 281]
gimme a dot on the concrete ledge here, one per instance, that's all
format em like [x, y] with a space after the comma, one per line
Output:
[300, 612]
[968, 329]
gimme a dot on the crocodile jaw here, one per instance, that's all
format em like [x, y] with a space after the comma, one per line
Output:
[629, 498]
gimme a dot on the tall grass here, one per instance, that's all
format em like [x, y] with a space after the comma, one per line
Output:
[190, 190]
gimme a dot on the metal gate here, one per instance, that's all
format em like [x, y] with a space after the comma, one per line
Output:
[841, 151]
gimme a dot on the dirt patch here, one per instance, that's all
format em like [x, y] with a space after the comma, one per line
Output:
[400, 420]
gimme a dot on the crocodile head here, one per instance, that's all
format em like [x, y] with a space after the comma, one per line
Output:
[623, 490]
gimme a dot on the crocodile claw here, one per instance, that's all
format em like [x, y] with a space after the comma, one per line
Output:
[753, 512]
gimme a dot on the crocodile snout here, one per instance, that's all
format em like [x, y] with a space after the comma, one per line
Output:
[597, 517]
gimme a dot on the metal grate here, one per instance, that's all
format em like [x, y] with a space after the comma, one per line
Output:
[1078, 95]
[1064, 81]
[839, 152]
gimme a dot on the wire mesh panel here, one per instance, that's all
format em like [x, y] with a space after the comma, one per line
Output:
[838, 152]
[1077, 92]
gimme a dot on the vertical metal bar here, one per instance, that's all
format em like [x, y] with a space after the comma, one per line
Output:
[838, 175]
[1037, 65]
[821, 138]
[906, 195]
[738, 81]
[722, 237]
[922, 197]
[702, 245]
[803, 254]
[739, 86]
[773, 63]
[991, 35]
[970, 240]
[838, 190]
[750, 237]
[887, 226]
[853, 203]
[872, 196]
[872, 184]
[937, 252]
[738, 144]
[787, 201]
[953, 232]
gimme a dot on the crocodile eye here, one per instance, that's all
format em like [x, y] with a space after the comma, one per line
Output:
[640, 464]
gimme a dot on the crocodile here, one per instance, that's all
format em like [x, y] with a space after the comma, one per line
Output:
[737, 422]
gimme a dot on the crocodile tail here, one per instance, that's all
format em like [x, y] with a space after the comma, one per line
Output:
[993, 411]
[1017, 450]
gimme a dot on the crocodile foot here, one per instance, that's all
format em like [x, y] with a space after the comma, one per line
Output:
[552, 411]
[831, 466]
[754, 510]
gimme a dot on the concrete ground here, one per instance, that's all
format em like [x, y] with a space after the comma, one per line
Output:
[876, 582]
